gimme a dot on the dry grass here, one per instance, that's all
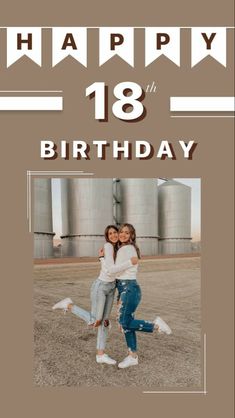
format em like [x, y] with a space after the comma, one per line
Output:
[65, 347]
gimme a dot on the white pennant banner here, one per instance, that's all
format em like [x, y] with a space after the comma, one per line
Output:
[69, 41]
[116, 41]
[162, 41]
[24, 41]
[72, 41]
[208, 41]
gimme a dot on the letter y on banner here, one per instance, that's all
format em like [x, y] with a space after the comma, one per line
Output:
[208, 41]
[24, 41]
[117, 41]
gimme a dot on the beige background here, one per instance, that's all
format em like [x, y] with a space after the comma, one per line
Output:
[213, 161]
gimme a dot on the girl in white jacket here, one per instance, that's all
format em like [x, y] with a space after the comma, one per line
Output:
[102, 295]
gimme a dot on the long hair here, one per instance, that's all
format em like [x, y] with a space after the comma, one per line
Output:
[132, 240]
[106, 234]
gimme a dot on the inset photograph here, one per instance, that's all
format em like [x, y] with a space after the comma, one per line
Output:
[117, 283]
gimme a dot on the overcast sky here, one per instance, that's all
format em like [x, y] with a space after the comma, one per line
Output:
[194, 183]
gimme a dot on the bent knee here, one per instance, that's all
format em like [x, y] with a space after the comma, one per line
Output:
[106, 322]
[97, 323]
[124, 323]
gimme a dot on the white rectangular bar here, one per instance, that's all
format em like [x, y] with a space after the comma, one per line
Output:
[202, 104]
[31, 103]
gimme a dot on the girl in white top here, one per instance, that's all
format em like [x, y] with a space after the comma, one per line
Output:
[129, 295]
[102, 295]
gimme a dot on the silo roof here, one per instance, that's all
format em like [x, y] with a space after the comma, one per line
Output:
[173, 183]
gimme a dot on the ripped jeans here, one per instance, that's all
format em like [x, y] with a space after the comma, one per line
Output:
[102, 294]
[129, 296]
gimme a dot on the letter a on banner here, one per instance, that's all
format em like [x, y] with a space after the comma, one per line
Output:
[69, 41]
[116, 41]
[24, 41]
[208, 41]
[162, 41]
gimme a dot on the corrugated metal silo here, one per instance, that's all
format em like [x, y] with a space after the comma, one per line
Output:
[117, 202]
[174, 205]
[66, 247]
[43, 230]
[87, 208]
[139, 207]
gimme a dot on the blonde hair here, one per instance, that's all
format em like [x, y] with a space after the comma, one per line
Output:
[132, 240]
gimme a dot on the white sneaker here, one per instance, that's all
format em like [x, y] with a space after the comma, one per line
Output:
[162, 326]
[128, 361]
[104, 358]
[63, 304]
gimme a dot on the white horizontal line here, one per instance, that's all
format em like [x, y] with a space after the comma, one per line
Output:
[47, 171]
[31, 91]
[134, 27]
[35, 173]
[201, 116]
[180, 391]
[31, 103]
[202, 104]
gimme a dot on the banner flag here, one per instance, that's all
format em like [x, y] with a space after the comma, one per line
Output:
[69, 41]
[116, 41]
[24, 41]
[162, 41]
[208, 41]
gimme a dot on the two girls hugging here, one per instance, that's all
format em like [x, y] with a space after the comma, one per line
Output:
[119, 265]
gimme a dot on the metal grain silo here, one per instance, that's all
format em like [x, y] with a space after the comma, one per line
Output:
[87, 208]
[117, 202]
[174, 206]
[139, 207]
[43, 230]
[66, 247]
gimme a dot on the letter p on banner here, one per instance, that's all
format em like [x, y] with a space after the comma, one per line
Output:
[116, 41]
[162, 41]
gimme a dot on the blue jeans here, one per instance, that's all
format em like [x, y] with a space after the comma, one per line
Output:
[129, 296]
[102, 295]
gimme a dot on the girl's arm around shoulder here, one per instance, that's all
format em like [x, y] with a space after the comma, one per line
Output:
[116, 268]
[128, 251]
[109, 254]
[128, 258]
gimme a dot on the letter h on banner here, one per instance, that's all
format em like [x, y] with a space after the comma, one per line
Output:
[24, 41]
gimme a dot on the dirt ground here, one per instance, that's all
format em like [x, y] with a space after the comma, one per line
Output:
[64, 349]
